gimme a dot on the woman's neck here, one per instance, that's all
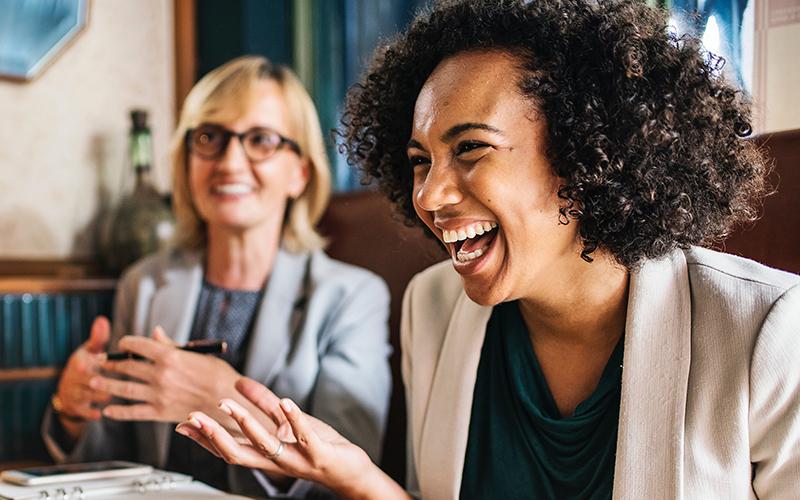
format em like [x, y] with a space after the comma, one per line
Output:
[580, 304]
[240, 260]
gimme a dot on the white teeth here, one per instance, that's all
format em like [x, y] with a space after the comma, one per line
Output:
[470, 231]
[468, 256]
[233, 188]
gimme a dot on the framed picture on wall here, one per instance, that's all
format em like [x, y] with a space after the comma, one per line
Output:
[34, 32]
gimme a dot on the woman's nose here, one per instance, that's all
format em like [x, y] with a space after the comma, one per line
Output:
[234, 156]
[439, 189]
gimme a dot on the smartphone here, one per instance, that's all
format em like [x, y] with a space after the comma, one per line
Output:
[62, 473]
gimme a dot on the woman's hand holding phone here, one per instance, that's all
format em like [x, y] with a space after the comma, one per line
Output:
[166, 383]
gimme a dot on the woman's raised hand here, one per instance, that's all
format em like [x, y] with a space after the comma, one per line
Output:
[302, 446]
[78, 399]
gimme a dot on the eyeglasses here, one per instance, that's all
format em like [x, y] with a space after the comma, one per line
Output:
[210, 141]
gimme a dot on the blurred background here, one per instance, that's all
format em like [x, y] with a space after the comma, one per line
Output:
[64, 131]
[73, 70]
[69, 123]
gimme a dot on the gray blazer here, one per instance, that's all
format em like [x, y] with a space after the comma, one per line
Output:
[320, 338]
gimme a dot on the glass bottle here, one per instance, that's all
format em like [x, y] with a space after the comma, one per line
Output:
[143, 222]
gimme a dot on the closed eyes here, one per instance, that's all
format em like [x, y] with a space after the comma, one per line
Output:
[469, 146]
[471, 151]
[466, 151]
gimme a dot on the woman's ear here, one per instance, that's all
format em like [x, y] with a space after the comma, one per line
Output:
[299, 178]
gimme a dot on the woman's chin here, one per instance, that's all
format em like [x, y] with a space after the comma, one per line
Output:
[483, 293]
[234, 224]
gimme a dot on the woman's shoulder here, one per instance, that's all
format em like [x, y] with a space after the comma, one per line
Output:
[329, 273]
[721, 272]
[740, 293]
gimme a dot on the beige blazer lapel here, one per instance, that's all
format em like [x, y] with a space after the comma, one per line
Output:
[278, 316]
[649, 462]
[446, 424]
[174, 303]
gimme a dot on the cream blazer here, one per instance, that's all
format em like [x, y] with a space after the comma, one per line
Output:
[710, 403]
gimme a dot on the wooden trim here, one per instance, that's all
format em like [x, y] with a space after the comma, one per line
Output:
[55, 285]
[50, 268]
[759, 77]
[185, 50]
[19, 374]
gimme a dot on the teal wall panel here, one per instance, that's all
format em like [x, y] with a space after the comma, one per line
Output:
[38, 330]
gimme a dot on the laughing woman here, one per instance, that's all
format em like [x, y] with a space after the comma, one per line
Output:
[574, 158]
[250, 180]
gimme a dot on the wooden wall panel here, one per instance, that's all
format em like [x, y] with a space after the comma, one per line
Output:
[774, 239]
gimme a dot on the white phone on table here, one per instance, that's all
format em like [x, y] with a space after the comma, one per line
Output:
[63, 473]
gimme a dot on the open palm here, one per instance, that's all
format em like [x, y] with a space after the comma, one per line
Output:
[302, 446]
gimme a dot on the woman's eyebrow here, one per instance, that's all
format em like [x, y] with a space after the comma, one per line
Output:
[414, 144]
[453, 131]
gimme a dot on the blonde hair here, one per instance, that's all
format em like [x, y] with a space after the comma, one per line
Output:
[223, 94]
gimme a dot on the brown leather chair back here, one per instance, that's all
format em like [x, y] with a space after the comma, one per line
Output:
[774, 239]
[363, 231]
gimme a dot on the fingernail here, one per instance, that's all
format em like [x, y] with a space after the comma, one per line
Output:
[180, 429]
[287, 405]
[195, 422]
[222, 406]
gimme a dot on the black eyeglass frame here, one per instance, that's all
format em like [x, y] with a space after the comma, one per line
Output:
[228, 134]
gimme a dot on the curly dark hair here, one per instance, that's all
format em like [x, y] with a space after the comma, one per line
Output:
[642, 127]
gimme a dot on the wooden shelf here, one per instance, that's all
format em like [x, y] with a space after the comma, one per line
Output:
[36, 373]
[54, 285]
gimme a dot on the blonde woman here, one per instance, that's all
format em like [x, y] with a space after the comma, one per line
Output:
[250, 181]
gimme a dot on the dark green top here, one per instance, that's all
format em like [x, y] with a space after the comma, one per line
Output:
[519, 446]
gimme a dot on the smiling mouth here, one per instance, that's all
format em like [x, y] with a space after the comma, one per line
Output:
[470, 242]
[232, 189]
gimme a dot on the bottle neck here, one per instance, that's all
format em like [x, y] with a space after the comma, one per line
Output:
[141, 154]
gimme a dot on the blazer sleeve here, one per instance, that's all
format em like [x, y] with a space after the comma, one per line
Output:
[354, 380]
[102, 439]
[775, 401]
